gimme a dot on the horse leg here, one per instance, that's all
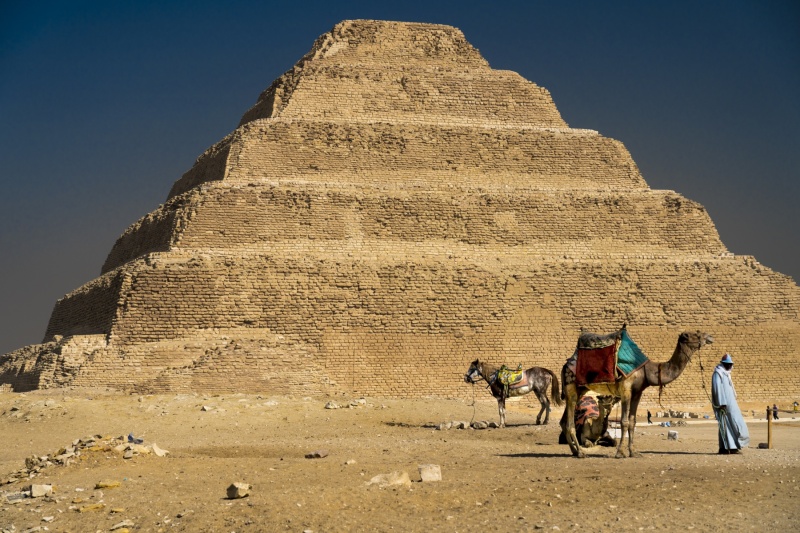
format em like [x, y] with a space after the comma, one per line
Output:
[546, 407]
[501, 406]
[623, 421]
[542, 397]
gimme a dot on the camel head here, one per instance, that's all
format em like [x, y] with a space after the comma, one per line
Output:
[689, 342]
[474, 373]
[694, 340]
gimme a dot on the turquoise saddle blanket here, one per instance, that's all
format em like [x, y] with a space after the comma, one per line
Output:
[629, 356]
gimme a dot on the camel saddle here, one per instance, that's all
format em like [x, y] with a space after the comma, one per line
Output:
[606, 358]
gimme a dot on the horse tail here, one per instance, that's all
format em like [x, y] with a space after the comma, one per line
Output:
[556, 395]
[563, 381]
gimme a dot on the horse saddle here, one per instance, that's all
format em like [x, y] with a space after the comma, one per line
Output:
[511, 379]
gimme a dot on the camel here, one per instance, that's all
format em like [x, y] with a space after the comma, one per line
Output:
[535, 379]
[594, 429]
[629, 389]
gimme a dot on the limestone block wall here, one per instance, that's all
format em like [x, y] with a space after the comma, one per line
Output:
[153, 233]
[356, 328]
[329, 325]
[90, 309]
[552, 222]
[413, 95]
[384, 155]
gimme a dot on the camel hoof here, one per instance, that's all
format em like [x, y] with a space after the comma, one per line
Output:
[636, 454]
[620, 455]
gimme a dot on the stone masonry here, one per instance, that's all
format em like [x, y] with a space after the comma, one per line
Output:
[391, 209]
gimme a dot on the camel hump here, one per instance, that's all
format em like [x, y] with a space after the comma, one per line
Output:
[593, 341]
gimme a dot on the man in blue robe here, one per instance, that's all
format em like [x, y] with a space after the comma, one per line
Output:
[733, 434]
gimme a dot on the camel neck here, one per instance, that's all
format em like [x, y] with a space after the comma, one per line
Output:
[670, 370]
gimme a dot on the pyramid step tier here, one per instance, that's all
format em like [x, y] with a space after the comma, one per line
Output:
[546, 222]
[367, 93]
[407, 155]
[169, 295]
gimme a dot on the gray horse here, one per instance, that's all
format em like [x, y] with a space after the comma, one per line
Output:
[535, 379]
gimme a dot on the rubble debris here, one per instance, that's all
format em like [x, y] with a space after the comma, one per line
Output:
[391, 479]
[238, 490]
[430, 472]
[317, 454]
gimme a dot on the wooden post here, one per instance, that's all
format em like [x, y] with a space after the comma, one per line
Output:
[769, 428]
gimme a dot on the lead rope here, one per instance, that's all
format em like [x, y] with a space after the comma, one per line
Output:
[473, 403]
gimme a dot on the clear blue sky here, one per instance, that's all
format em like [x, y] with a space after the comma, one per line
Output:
[103, 105]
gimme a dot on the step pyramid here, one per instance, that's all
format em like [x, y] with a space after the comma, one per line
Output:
[390, 209]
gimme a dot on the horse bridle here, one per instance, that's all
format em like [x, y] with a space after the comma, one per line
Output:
[469, 377]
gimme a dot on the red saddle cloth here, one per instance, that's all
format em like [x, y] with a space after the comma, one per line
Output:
[596, 365]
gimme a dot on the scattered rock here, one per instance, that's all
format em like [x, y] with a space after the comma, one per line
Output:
[107, 484]
[318, 454]
[672, 435]
[38, 491]
[494, 425]
[430, 473]
[350, 462]
[92, 507]
[238, 490]
[124, 523]
[128, 454]
[158, 451]
[206, 408]
[391, 479]
[480, 425]
[331, 405]
[15, 497]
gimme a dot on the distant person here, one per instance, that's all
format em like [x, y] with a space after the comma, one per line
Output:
[794, 406]
[769, 412]
[733, 433]
[649, 417]
[774, 411]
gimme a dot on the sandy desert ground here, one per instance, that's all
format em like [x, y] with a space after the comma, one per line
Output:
[512, 479]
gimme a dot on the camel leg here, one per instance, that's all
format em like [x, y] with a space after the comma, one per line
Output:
[632, 426]
[571, 394]
[565, 428]
[623, 421]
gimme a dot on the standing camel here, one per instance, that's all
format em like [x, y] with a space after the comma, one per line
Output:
[629, 389]
[536, 379]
